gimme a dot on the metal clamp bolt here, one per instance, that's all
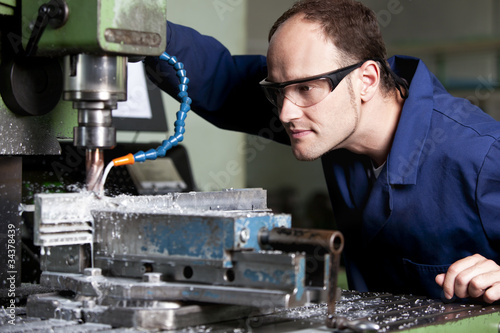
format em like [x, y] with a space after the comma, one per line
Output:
[244, 235]
[89, 304]
[92, 272]
[151, 277]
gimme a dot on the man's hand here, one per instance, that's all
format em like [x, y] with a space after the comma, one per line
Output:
[474, 276]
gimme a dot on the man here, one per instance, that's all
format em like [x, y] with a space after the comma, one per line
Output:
[413, 173]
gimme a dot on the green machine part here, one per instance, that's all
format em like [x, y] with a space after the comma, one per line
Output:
[125, 27]
[113, 27]
[7, 7]
[487, 323]
[32, 135]
[36, 135]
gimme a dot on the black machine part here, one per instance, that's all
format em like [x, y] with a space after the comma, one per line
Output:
[54, 13]
[31, 86]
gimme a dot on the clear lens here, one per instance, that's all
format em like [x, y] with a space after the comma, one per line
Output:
[302, 94]
[308, 93]
[274, 95]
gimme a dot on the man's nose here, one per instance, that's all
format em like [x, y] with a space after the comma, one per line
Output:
[289, 111]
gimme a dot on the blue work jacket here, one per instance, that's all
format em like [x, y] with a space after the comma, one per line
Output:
[437, 199]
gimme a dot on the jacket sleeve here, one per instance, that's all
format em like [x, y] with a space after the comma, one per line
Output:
[224, 88]
[488, 193]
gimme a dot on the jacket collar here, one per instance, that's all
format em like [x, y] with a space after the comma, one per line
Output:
[414, 124]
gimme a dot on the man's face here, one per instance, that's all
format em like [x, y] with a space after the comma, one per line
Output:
[298, 50]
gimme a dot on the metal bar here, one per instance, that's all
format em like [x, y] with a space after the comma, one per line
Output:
[309, 240]
[109, 290]
[313, 241]
[332, 285]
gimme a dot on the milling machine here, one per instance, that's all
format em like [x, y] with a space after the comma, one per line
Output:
[218, 261]
[70, 50]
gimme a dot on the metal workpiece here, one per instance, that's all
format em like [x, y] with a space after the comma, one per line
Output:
[80, 205]
[63, 219]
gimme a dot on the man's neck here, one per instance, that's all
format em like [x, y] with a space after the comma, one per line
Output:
[378, 124]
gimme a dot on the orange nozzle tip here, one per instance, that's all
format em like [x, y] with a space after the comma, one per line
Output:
[124, 160]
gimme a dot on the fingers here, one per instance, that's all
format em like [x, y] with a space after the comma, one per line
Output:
[472, 281]
[485, 285]
[450, 281]
[474, 276]
[492, 294]
[440, 279]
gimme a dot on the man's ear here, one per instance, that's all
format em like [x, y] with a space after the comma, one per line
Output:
[370, 78]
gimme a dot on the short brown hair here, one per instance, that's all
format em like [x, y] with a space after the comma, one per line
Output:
[351, 26]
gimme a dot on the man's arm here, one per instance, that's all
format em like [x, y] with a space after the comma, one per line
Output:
[224, 88]
[476, 276]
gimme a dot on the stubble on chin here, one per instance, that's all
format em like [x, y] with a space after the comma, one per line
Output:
[304, 155]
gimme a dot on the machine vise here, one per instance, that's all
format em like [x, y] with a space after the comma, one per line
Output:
[156, 256]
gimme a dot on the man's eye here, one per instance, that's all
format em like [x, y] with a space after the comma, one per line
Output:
[305, 88]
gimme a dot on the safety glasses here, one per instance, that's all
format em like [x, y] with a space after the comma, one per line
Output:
[307, 91]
